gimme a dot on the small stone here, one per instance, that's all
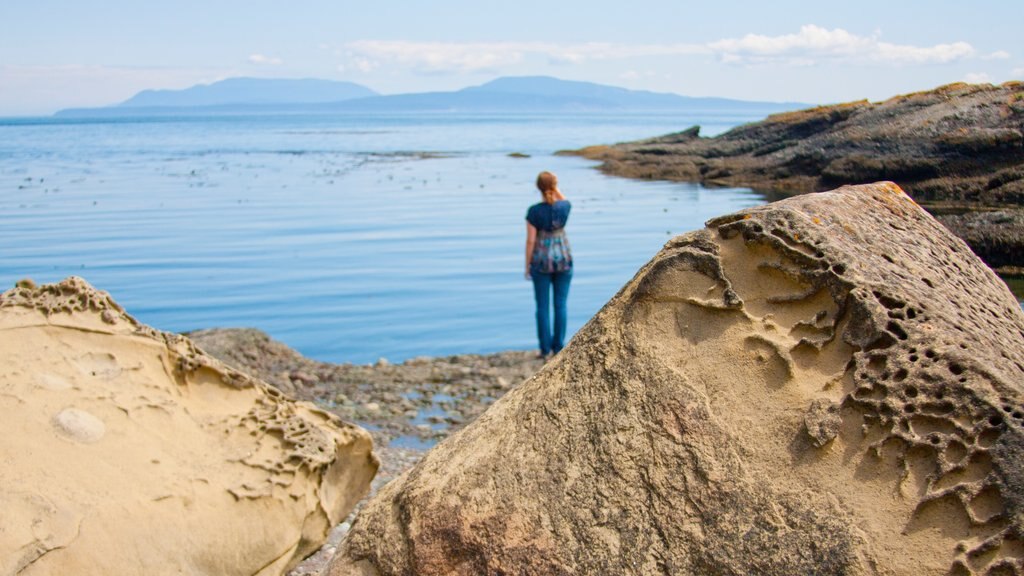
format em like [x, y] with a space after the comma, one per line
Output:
[79, 425]
[382, 362]
[372, 407]
[822, 421]
[304, 378]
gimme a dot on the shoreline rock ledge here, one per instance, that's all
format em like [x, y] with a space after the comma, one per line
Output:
[958, 150]
[126, 450]
[830, 384]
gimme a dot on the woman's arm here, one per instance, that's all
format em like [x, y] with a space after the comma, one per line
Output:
[531, 240]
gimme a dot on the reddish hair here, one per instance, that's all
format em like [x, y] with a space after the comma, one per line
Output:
[546, 181]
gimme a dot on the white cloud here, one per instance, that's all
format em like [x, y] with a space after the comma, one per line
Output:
[997, 55]
[456, 57]
[810, 46]
[262, 60]
[938, 54]
[814, 43]
[355, 64]
[431, 56]
[978, 78]
[810, 40]
[641, 75]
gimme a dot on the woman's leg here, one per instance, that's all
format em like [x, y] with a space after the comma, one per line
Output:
[541, 292]
[560, 281]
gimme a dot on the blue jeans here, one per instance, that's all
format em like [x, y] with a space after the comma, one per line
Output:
[542, 289]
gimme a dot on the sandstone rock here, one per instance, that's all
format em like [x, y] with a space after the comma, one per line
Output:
[689, 427]
[128, 451]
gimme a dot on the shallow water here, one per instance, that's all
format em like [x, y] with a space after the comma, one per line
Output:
[347, 237]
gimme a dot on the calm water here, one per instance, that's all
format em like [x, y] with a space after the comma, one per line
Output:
[348, 237]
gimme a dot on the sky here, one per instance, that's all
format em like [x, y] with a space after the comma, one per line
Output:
[80, 53]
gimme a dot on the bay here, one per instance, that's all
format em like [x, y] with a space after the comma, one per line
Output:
[348, 237]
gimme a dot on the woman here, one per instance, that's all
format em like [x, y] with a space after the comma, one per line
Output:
[549, 261]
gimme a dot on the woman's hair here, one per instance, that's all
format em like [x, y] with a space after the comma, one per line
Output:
[546, 181]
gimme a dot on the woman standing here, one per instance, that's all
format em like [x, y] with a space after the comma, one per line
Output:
[549, 261]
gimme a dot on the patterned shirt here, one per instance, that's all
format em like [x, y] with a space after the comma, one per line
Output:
[551, 253]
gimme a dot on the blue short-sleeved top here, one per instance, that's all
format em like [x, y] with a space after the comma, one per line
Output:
[549, 217]
[551, 253]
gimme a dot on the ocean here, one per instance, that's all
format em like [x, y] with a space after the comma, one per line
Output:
[348, 237]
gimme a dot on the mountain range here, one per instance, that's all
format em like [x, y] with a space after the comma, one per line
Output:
[251, 91]
[509, 94]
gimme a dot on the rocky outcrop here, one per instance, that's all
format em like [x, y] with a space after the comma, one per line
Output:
[995, 235]
[831, 384]
[126, 450]
[954, 149]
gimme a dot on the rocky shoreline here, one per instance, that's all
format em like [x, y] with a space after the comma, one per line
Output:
[409, 405]
[784, 391]
[957, 150]
[406, 407]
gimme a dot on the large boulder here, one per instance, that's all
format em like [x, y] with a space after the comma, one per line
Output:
[125, 450]
[831, 384]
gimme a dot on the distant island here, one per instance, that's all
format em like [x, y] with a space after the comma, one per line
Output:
[233, 95]
[248, 91]
[509, 94]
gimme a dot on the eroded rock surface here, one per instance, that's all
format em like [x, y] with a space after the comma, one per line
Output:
[126, 450]
[831, 384]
